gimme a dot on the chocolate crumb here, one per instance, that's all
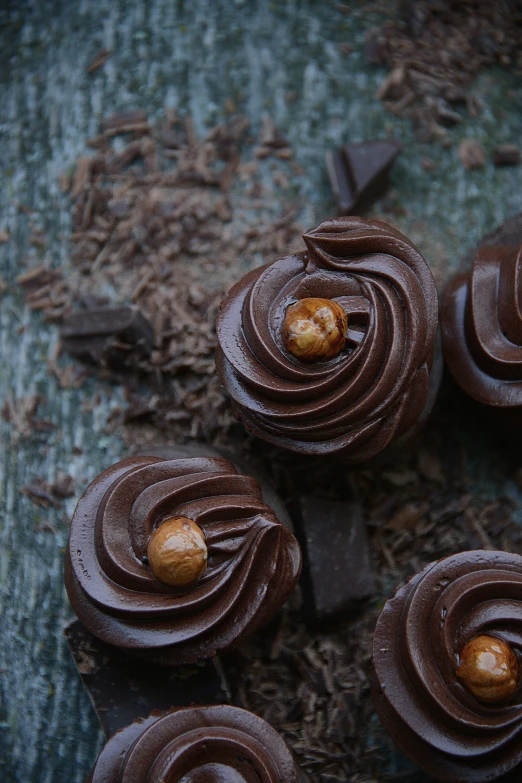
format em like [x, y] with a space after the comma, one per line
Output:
[98, 60]
[471, 154]
[435, 53]
[506, 155]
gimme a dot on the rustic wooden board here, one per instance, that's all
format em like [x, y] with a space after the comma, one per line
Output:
[280, 57]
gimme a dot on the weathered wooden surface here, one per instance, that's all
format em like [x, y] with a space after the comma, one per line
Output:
[280, 57]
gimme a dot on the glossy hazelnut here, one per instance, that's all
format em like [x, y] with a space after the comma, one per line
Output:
[177, 552]
[315, 329]
[489, 669]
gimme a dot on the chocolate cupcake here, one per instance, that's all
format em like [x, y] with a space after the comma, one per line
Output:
[446, 655]
[329, 351]
[197, 745]
[175, 560]
[481, 322]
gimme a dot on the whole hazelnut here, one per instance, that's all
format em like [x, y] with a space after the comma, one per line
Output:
[177, 552]
[315, 328]
[489, 669]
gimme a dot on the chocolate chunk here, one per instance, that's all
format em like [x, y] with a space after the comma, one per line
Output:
[122, 689]
[121, 121]
[360, 173]
[506, 155]
[337, 571]
[114, 337]
[471, 154]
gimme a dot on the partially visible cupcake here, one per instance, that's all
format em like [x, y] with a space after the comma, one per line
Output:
[175, 560]
[197, 745]
[481, 322]
[446, 667]
[329, 351]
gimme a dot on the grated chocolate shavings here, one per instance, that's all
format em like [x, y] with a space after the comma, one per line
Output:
[435, 54]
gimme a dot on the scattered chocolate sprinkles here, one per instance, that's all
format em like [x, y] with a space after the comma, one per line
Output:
[163, 221]
[435, 54]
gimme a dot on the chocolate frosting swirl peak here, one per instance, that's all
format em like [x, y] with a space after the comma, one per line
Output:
[219, 744]
[431, 715]
[355, 403]
[481, 322]
[253, 561]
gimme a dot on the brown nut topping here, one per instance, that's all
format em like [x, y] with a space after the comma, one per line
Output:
[177, 552]
[489, 669]
[315, 329]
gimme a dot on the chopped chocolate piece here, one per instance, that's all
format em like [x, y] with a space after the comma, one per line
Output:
[64, 485]
[471, 154]
[506, 155]
[337, 568]
[36, 278]
[114, 337]
[360, 173]
[123, 690]
[98, 60]
[122, 121]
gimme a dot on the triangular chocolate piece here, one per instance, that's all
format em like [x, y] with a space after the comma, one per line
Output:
[359, 173]
[370, 161]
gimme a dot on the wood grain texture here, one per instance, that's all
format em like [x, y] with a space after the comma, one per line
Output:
[280, 57]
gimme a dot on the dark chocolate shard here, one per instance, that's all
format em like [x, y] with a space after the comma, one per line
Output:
[113, 337]
[337, 572]
[341, 182]
[506, 155]
[122, 689]
[360, 173]
[122, 120]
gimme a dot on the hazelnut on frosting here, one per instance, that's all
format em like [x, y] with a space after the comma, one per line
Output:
[446, 671]
[174, 560]
[315, 329]
[329, 351]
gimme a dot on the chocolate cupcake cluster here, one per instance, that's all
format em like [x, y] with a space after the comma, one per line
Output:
[325, 352]
[366, 322]
[481, 322]
[446, 657]
[197, 745]
[242, 562]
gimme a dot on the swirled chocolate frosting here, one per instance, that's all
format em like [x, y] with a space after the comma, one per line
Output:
[355, 403]
[481, 321]
[253, 561]
[425, 707]
[197, 745]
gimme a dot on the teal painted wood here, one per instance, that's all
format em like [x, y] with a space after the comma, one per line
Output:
[278, 57]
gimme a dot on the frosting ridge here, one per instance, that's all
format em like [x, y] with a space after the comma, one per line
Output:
[355, 403]
[220, 744]
[481, 321]
[431, 715]
[253, 560]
